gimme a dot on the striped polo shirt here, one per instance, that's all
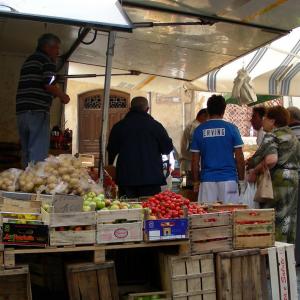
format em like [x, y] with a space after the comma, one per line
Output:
[37, 71]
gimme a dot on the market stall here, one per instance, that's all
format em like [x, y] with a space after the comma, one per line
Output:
[201, 251]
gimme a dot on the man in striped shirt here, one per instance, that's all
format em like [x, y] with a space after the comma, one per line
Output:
[34, 98]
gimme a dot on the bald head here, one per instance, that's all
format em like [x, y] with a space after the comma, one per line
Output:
[139, 104]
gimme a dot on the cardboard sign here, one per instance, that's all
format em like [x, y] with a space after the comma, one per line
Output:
[67, 203]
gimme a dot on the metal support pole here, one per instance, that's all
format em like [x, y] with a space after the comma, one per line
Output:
[103, 136]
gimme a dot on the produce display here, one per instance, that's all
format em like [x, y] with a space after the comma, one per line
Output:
[63, 174]
[92, 201]
[168, 205]
[23, 218]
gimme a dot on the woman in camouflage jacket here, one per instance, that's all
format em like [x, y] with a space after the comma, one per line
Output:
[280, 152]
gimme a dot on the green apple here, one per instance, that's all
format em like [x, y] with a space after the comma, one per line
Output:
[116, 202]
[86, 208]
[86, 203]
[100, 204]
[92, 194]
[101, 196]
[105, 208]
[114, 206]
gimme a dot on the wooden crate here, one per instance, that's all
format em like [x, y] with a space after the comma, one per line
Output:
[211, 232]
[282, 267]
[189, 277]
[70, 237]
[15, 284]
[253, 228]
[160, 295]
[238, 275]
[89, 281]
[118, 226]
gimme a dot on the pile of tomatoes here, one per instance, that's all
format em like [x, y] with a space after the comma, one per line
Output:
[167, 205]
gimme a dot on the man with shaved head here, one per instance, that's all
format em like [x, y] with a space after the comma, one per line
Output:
[138, 142]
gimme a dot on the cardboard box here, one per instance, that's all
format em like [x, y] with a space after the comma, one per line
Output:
[25, 234]
[166, 229]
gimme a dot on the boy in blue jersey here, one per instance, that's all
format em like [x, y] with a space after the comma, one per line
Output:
[218, 145]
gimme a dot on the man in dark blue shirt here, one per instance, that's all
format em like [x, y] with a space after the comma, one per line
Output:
[139, 142]
[34, 98]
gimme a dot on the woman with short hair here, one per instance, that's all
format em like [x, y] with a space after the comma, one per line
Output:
[280, 153]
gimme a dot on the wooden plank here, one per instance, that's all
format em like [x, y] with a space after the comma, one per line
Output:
[104, 285]
[105, 216]
[70, 237]
[239, 253]
[193, 284]
[247, 286]
[237, 275]
[211, 246]
[179, 287]
[253, 242]
[68, 219]
[273, 265]
[291, 265]
[205, 234]
[208, 283]
[99, 256]
[219, 277]
[283, 276]
[264, 280]
[253, 215]
[9, 258]
[88, 285]
[250, 229]
[210, 220]
[226, 288]
[1, 260]
[165, 271]
[73, 285]
[113, 283]
[256, 277]
[19, 206]
[29, 293]
[119, 233]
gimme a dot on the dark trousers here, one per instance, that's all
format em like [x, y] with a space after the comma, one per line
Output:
[139, 191]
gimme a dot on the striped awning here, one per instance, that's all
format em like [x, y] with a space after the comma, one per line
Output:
[274, 69]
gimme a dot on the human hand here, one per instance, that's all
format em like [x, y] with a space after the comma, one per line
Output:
[242, 186]
[251, 176]
[64, 98]
[196, 186]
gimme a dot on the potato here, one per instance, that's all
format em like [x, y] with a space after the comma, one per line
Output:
[51, 179]
[62, 170]
[66, 178]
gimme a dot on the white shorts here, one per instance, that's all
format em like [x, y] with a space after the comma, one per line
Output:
[225, 191]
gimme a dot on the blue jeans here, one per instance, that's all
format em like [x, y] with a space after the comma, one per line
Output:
[34, 131]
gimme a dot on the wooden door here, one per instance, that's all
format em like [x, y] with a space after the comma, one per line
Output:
[90, 120]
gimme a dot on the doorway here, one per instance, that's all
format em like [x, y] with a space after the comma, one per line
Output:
[90, 105]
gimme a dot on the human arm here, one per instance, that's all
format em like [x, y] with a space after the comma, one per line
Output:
[49, 74]
[57, 92]
[240, 162]
[269, 162]
[165, 143]
[195, 170]
[113, 145]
